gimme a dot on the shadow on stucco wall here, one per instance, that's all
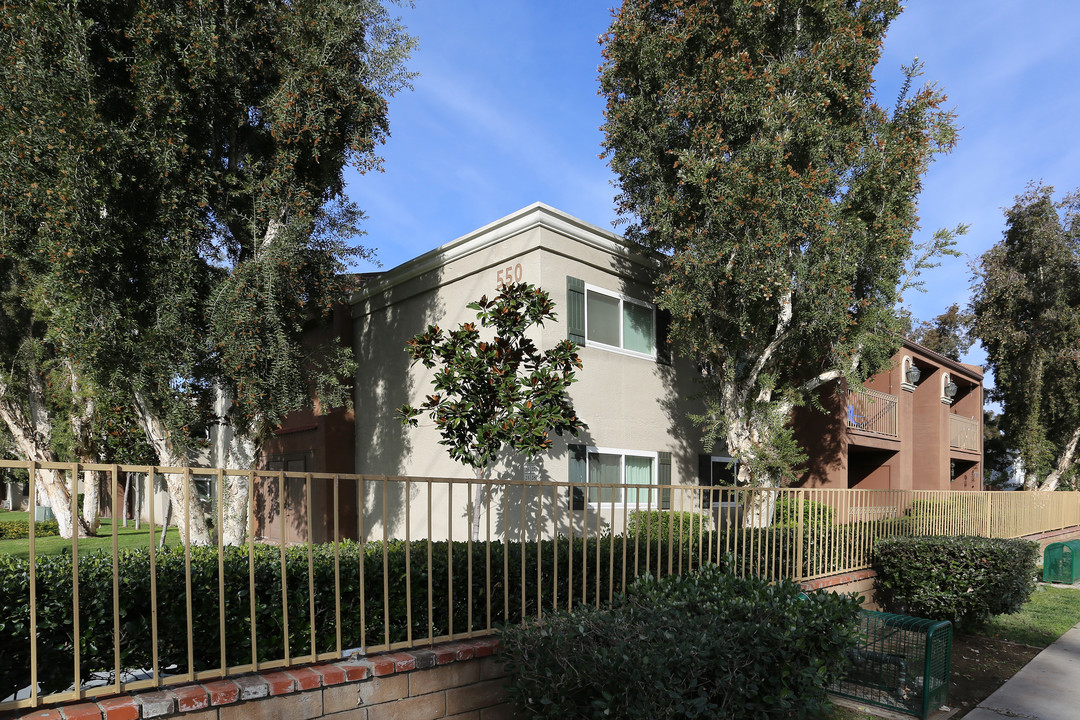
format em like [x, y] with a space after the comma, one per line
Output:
[383, 324]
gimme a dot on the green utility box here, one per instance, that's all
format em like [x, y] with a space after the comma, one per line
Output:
[901, 663]
[1061, 562]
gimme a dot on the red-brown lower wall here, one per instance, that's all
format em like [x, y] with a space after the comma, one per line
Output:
[455, 681]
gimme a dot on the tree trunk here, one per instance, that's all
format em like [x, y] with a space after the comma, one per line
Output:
[743, 436]
[58, 495]
[138, 502]
[760, 508]
[32, 433]
[232, 451]
[160, 439]
[81, 430]
[91, 509]
[127, 498]
[165, 522]
[483, 492]
[1065, 461]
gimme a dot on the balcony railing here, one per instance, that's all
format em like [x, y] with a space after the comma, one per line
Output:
[963, 433]
[872, 412]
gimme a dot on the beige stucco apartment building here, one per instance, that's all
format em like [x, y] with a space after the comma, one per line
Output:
[631, 395]
[635, 399]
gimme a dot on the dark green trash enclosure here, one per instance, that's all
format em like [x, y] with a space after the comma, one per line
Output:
[901, 663]
[1061, 562]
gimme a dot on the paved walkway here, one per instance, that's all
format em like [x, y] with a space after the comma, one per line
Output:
[1048, 688]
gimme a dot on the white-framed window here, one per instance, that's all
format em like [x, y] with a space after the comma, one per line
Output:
[627, 468]
[614, 321]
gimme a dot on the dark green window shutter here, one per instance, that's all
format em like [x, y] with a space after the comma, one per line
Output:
[575, 310]
[577, 475]
[663, 348]
[705, 479]
[705, 470]
[663, 477]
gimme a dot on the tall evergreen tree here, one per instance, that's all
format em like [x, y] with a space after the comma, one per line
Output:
[752, 157]
[1027, 316]
[172, 198]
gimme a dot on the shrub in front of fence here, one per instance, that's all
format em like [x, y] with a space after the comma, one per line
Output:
[815, 514]
[702, 645]
[463, 596]
[963, 579]
[20, 529]
[687, 526]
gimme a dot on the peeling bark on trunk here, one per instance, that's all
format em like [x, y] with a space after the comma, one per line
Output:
[233, 451]
[1068, 456]
[32, 434]
[483, 492]
[160, 439]
[760, 508]
[127, 498]
[80, 428]
[91, 510]
[746, 432]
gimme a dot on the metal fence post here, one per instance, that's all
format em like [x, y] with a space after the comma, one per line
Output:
[797, 571]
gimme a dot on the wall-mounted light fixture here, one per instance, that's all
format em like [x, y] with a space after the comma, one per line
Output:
[909, 375]
[948, 389]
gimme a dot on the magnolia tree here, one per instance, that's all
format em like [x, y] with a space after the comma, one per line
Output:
[1027, 316]
[752, 157]
[493, 387]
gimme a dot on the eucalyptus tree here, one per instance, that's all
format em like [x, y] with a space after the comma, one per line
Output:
[174, 202]
[752, 157]
[1027, 316]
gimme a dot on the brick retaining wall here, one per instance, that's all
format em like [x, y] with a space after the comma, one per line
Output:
[860, 582]
[1053, 536]
[456, 681]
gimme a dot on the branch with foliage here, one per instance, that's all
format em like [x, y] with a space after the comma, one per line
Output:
[948, 334]
[172, 201]
[500, 391]
[1027, 316]
[752, 157]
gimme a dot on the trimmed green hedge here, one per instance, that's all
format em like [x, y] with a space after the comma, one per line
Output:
[20, 529]
[706, 644]
[814, 513]
[592, 560]
[963, 579]
[662, 524]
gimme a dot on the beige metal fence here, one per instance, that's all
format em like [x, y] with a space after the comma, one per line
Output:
[408, 562]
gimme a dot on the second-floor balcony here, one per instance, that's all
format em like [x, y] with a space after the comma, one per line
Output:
[963, 433]
[873, 412]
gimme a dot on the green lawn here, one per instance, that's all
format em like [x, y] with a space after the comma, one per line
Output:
[1050, 612]
[127, 537]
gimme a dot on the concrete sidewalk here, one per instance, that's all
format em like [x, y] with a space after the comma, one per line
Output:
[1048, 688]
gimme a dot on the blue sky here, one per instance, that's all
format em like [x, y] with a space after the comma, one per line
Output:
[505, 112]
